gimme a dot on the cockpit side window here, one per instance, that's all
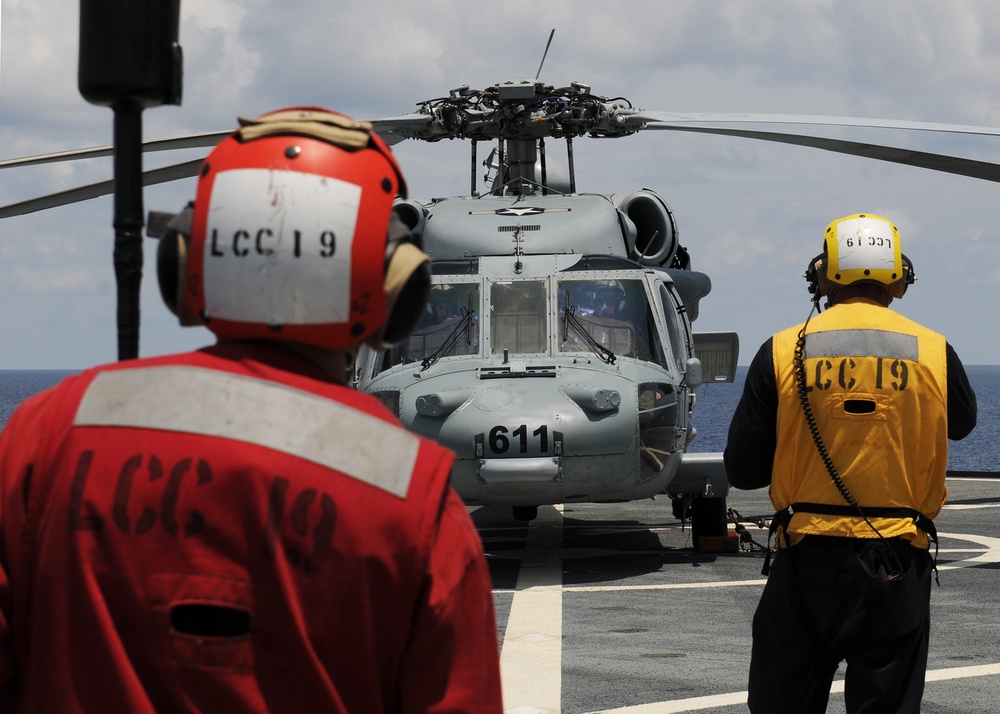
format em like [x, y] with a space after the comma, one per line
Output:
[518, 317]
[676, 330]
[656, 345]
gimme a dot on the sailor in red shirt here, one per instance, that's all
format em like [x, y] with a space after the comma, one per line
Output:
[235, 529]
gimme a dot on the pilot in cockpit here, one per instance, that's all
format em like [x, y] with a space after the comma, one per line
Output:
[609, 300]
[443, 311]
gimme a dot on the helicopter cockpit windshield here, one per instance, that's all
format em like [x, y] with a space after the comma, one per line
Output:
[450, 326]
[611, 317]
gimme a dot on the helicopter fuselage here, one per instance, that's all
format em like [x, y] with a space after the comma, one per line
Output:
[534, 414]
[554, 376]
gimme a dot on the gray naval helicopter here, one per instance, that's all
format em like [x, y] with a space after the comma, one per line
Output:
[556, 357]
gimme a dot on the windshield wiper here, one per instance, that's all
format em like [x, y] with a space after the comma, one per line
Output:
[570, 318]
[451, 339]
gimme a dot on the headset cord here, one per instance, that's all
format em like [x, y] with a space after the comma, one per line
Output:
[803, 392]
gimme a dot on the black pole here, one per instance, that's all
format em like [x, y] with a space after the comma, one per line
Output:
[129, 60]
[128, 223]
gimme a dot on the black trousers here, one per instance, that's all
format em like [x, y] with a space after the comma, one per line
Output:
[827, 600]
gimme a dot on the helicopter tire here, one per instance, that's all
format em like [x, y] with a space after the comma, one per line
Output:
[708, 518]
[525, 513]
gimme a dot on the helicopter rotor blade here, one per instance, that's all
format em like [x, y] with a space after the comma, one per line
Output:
[389, 129]
[654, 120]
[174, 172]
[972, 168]
[386, 128]
[396, 129]
[193, 141]
[427, 127]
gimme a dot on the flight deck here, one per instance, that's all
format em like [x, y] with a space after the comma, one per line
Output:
[609, 608]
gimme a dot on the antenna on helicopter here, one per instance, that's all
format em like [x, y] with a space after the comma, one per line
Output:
[545, 53]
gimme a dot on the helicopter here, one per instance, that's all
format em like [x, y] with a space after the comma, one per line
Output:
[556, 356]
[528, 273]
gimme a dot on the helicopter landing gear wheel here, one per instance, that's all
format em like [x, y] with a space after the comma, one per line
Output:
[525, 513]
[708, 518]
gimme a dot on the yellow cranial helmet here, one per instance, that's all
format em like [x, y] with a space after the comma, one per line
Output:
[862, 247]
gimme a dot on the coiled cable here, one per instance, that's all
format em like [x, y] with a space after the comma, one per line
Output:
[824, 454]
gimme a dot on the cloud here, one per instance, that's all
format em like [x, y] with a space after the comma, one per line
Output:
[751, 213]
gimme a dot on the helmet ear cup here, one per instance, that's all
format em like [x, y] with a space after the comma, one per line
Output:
[407, 283]
[898, 288]
[172, 265]
[816, 268]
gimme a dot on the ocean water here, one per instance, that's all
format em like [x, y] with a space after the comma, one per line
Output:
[980, 451]
[17, 385]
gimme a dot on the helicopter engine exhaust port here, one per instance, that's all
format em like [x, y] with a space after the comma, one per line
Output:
[655, 239]
[411, 212]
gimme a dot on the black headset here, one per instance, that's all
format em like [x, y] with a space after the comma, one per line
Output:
[896, 289]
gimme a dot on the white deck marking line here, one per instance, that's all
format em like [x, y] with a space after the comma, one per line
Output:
[975, 670]
[531, 655]
[662, 586]
[990, 555]
[968, 506]
[678, 706]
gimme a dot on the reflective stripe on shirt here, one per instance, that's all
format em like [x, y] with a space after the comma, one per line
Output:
[209, 402]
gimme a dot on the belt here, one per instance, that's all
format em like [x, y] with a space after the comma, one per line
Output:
[784, 517]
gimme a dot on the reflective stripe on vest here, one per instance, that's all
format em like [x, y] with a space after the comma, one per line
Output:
[219, 404]
[862, 343]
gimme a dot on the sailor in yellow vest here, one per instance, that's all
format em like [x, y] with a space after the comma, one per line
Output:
[847, 418]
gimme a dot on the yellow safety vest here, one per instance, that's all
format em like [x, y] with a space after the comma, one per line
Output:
[877, 386]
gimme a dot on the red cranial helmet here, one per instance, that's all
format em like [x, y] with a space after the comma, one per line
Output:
[292, 237]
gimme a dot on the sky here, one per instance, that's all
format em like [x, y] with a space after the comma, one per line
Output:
[750, 213]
